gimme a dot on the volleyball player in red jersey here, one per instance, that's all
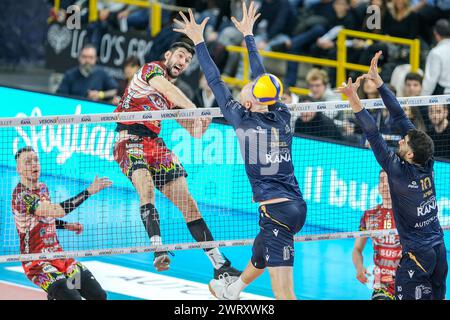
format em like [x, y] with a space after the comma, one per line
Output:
[36, 220]
[148, 163]
[387, 249]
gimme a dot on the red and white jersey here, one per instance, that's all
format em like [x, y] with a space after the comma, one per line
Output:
[141, 96]
[37, 234]
[387, 249]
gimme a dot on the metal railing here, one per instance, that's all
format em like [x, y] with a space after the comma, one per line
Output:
[343, 66]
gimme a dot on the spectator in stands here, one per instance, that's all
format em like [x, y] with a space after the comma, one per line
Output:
[413, 88]
[316, 124]
[429, 12]
[437, 69]
[439, 130]
[204, 97]
[107, 14]
[88, 80]
[318, 85]
[400, 20]
[343, 17]
[413, 85]
[130, 67]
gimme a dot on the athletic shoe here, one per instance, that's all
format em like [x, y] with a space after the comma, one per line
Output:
[161, 261]
[220, 288]
[226, 269]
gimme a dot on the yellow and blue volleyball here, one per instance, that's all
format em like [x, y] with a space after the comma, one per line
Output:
[267, 89]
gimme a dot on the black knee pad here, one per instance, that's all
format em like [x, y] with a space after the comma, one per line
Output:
[90, 288]
[60, 291]
[257, 259]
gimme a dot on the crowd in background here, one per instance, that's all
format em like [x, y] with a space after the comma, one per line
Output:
[301, 27]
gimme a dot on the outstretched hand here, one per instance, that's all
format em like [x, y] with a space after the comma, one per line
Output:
[350, 90]
[249, 18]
[98, 185]
[190, 28]
[373, 71]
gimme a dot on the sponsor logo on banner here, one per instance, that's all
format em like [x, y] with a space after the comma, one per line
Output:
[5, 122]
[433, 100]
[378, 104]
[66, 121]
[341, 106]
[321, 107]
[147, 116]
[206, 113]
[48, 121]
[109, 118]
[125, 116]
[24, 122]
[169, 115]
[86, 119]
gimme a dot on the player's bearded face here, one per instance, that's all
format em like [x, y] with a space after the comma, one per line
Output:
[177, 62]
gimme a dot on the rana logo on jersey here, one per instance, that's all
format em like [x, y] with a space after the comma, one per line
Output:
[427, 206]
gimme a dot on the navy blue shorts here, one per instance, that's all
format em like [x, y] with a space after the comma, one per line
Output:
[279, 222]
[422, 275]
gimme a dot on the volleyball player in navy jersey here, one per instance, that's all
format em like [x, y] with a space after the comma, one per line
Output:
[423, 268]
[265, 138]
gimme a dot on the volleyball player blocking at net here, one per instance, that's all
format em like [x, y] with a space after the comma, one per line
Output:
[148, 163]
[36, 220]
[282, 208]
[422, 271]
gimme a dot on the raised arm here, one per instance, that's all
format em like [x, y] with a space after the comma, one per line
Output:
[399, 117]
[245, 26]
[385, 157]
[231, 110]
[53, 210]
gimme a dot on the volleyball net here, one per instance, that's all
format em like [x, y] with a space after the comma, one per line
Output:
[337, 173]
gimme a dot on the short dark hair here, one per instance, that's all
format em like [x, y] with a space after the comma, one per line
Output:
[132, 61]
[442, 28]
[422, 146]
[413, 76]
[22, 150]
[184, 45]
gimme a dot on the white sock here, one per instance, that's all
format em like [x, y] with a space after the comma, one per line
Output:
[216, 258]
[156, 241]
[237, 287]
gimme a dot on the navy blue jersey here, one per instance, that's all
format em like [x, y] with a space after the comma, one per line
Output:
[265, 138]
[412, 186]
